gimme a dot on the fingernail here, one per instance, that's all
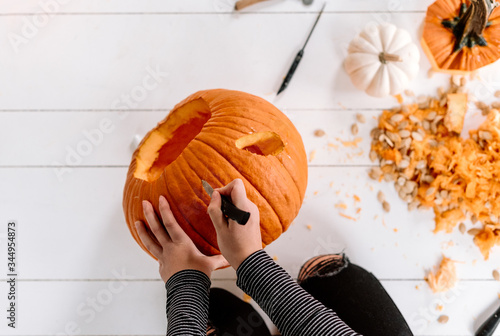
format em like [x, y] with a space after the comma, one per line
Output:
[144, 204]
[215, 194]
[162, 198]
[137, 224]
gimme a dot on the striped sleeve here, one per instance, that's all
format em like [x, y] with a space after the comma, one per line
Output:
[294, 311]
[187, 303]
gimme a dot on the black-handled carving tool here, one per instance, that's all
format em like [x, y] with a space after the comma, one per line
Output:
[489, 326]
[228, 208]
[298, 58]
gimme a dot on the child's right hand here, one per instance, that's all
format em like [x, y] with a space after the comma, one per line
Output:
[236, 242]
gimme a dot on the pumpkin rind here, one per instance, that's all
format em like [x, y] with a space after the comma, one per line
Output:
[276, 183]
[438, 41]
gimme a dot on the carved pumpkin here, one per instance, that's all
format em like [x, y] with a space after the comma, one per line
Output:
[460, 36]
[217, 136]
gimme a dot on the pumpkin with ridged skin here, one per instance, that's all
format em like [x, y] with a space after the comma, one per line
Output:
[217, 136]
[460, 36]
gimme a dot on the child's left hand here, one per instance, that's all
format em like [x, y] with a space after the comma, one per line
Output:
[175, 251]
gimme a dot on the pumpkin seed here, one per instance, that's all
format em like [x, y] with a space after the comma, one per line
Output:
[402, 194]
[408, 198]
[496, 275]
[401, 181]
[440, 91]
[360, 118]
[421, 164]
[375, 173]
[443, 319]
[355, 129]
[481, 105]
[417, 136]
[426, 125]
[404, 133]
[413, 205]
[403, 164]
[495, 105]
[473, 219]
[373, 156]
[430, 191]
[385, 138]
[403, 124]
[434, 128]
[455, 79]
[386, 206]
[462, 228]
[485, 135]
[414, 119]
[319, 133]
[443, 101]
[438, 201]
[397, 186]
[397, 118]
[473, 232]
[431, 115]
[380, 196]
[463, 81]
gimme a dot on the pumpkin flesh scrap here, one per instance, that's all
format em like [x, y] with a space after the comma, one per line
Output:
[166, 143]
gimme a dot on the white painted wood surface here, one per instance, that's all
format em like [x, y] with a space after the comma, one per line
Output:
[71, 72]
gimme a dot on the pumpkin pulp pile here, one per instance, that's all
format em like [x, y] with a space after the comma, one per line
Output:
[420, 149]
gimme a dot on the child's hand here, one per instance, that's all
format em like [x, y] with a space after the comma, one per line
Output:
[236, 242]
[175, 251]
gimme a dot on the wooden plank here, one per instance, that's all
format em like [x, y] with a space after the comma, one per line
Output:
[200, 6]
[84, 138]
[77, 226]
[96, 307]
[107, 138]
[97, 61]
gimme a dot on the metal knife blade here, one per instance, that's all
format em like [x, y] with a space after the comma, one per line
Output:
[227, 207]
[208, 188]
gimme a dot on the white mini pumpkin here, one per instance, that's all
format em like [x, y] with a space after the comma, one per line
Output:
[382, 60]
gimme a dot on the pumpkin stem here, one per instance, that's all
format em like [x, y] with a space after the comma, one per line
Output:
[468, 27]
[384, 58]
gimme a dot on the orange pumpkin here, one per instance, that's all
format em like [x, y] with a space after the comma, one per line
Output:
[460, 36]
[217, 136]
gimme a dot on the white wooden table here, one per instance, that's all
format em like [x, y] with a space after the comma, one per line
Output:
[65, 73]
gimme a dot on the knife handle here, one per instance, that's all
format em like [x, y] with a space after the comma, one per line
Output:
[489, 326]
[231, 211]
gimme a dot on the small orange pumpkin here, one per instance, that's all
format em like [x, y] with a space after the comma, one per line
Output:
[460, 36]
[217, 136]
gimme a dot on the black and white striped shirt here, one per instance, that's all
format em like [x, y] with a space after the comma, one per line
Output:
[294, 311]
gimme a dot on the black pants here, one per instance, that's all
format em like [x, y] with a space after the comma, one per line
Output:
[354, 294]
